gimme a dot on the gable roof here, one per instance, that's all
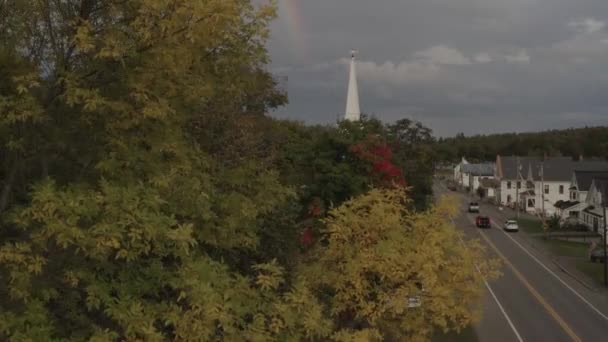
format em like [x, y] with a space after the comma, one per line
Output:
[601, 186]
[555, 169]
[530, 166]
[584, 178]
[486, 169]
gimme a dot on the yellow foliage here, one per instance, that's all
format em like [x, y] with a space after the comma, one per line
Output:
[396, 271]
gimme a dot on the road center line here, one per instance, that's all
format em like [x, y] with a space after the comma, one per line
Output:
[533, 291]
[555, 275]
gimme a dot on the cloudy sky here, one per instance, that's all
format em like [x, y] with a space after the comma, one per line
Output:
[472, 66]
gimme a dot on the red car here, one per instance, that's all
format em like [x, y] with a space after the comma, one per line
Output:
[483, 222]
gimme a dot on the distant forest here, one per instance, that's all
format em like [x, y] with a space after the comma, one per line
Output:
[588, 142]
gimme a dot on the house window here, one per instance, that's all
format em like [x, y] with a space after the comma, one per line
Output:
[531, 203]
[561, 189]
[509, 199]
[519, 185]
[546, 189]
[572, 195]
[508, 185]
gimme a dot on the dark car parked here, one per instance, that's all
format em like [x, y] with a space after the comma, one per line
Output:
[597, 255]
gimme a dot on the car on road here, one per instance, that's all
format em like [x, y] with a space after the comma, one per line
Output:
[483, 222]
[473, 207]
[511, 226]
[598, 255]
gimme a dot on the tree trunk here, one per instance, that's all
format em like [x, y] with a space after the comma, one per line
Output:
[8, 184]
[45, 167]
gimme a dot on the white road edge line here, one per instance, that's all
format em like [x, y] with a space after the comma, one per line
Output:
[502, 309]
[553, 274]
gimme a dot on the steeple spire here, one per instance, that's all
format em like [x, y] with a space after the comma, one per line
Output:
[353, 113]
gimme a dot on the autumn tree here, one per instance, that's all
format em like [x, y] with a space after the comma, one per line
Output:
[145, 197]
[126, 225]
[377, 255]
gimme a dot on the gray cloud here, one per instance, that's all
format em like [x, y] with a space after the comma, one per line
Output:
[468, 66]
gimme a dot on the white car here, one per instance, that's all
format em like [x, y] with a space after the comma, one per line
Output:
[511, 226]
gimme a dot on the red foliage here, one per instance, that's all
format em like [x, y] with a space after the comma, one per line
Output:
[314, 208]
[383, 151]
[315, 211]
[379, 155]
[307, 237]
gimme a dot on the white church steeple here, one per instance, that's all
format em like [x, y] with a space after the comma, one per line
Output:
[353, 113]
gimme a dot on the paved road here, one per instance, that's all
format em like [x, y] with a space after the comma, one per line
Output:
[533, 300]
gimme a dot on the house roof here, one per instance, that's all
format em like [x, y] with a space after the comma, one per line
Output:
[555, 169]
[602, 186]
[486, 169]
[584, 178]
[565, 204]
[592, 210]
[531, 164]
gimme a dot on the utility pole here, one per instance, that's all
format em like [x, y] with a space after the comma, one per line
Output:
[542, 186]
[517, 183]
[604, 237]
[542, 189]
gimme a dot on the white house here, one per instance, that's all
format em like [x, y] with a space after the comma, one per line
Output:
[538, 184]
[489, 186]
[517, 182]
[458, 178]
[473, 173]
[593, 215]
[579, 187]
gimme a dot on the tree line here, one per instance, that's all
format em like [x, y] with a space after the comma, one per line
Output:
[587, 142]
[146, 196]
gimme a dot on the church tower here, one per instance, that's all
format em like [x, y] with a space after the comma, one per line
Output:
[353, 113]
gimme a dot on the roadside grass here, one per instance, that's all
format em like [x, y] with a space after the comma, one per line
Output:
[566, 248]
[593, 270]
[467, 335]
[529, 225]
[579, 251]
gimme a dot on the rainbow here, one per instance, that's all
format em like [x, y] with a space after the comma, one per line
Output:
[289, 11]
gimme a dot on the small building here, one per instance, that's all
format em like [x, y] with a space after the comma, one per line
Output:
[489, 186]
[473, 173]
